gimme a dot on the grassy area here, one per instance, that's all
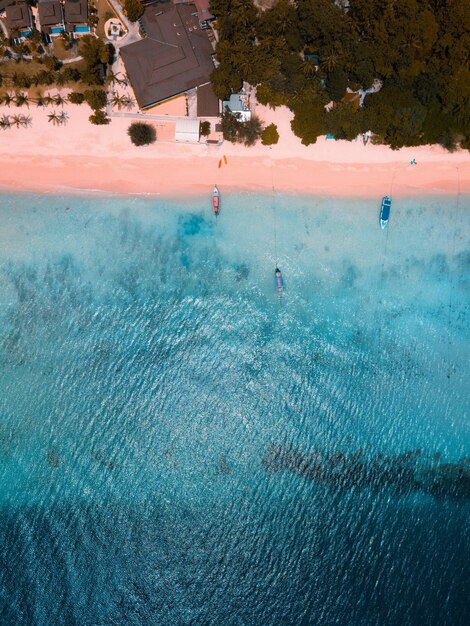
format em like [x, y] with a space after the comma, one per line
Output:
[105, 12]
[8, 68]
[59, 51]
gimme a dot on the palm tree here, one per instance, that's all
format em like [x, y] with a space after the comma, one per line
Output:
[26, 120]
[309, 68]
[54, 118]
[128, 102]
[41, 101]
[330, 61]
[20, 99]
[48, 99]
[63, 117]
[332, 57]
[59, 100]
[16, 120]
[8, 98]
[116, 100]
[112, 77]
[5, 122]
[116, 78]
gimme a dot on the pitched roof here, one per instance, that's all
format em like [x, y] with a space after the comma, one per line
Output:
[18, 16]
[175, 55]
[5, 3]
[76, 11]
[207, 102]
[50, 12]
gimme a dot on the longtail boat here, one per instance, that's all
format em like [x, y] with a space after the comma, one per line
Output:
[216, 200]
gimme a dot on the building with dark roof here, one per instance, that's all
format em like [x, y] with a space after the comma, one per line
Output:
[19, 17]
[208, 105]
[76, 16]
[51, 17]
[174, 57]
[5, 3]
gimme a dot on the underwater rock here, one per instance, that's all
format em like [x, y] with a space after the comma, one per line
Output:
[223, 466]
[192, 225]
[104, 462]
[242, 272]
[405, 473]
[53, 458]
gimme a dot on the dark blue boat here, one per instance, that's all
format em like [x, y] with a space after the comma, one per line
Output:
[385, 211]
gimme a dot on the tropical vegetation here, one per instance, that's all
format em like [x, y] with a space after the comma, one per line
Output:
[133, 9]
[236, 130]
[99, 118]
[270, 135]
[307, 53]
[142, 134]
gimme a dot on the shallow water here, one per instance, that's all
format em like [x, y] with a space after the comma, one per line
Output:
[180, 446]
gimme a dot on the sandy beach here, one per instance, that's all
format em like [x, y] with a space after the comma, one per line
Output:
[81, 157]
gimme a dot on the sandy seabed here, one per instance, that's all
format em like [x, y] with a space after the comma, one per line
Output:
[81, 157]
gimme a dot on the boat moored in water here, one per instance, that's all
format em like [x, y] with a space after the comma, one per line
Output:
[278, 277]
[385, 211]
[216, 200]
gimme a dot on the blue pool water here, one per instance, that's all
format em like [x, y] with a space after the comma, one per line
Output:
[178, 445]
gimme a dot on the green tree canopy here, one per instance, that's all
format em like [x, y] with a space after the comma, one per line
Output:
[96, 55]
[336, 84]
[99, 118]
[270, 136]
[344, 122]
[236, 131]
[96, 98]
[308, 122]
[205, 128]
[133, 9]
[142, 134]
[76, 97]
[419, 49]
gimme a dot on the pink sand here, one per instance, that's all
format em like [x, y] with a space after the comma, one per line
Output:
[80, 156]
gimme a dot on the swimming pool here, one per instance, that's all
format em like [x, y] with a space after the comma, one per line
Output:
[82, 29]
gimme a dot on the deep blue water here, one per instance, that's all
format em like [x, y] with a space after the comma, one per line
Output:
[179, 446]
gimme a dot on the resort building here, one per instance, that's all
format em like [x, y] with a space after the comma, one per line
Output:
[239, 103]
[174, 57]
[4, 4]
[19, 20]
[203, 13]
[51, 17]
[76, 16]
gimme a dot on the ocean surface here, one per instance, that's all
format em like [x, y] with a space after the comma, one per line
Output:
[179, 445]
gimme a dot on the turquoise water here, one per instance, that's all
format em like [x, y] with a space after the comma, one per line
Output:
[180, 446]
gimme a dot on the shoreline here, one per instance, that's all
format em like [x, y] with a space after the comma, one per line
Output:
[81, 158]
[243, 174]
